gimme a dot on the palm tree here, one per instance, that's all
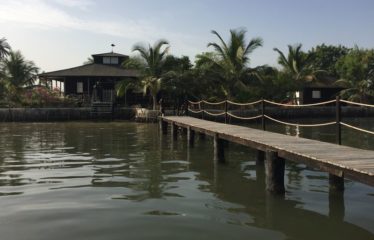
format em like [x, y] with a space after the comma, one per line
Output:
[151, 67]
[4, 48]
[17, 73]
[230, 60]
[297, 63]
[361, 91]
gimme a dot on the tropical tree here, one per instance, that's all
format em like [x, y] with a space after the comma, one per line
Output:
[325, 57]
[297, 63]
[356, 70]
[230, 61]
[89, 60]
[151, 67]
[17, 73]
[4, 48]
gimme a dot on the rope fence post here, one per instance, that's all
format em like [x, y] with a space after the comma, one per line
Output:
[187, 104]
[226, 116]
[263, 114]
[202, 109]
[338, 120]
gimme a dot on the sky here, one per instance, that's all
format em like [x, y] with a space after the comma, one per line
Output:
[58, 34]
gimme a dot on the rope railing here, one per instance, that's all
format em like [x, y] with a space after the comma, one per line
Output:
[356, 103]
[193, 111]
[244, 104]
[214, 114]
[244, 118]
[300, 105]
[230, 113]
[194, 102]
[301, 125]
[212, 103]
[356, 128]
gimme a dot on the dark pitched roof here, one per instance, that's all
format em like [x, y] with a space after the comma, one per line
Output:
[92, 70]
[109, 54]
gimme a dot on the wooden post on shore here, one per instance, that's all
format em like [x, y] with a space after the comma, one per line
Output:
[190, 137]
[174, 131]
[274, 170]
[219, 149]
[202, 109]
[226, 115]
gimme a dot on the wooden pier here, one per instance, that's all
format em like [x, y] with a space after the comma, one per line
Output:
[273, 148]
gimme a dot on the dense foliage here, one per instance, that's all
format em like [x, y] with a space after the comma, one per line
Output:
[222, 72]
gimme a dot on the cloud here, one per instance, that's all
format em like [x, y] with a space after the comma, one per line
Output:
[43, 15]
[84, 5]
[57, 15]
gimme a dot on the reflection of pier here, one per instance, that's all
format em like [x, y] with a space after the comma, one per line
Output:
[275, 212]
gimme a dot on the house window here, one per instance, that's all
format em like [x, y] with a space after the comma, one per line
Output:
[316, 94]
[106, 60]
[114, 60]
[110, 60]
[79, 87]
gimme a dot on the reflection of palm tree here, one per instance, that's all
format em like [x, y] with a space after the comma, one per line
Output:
[230, 60]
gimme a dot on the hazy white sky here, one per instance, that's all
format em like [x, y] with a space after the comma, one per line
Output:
[58, 34]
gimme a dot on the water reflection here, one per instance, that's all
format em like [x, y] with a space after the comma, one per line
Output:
[127, 173]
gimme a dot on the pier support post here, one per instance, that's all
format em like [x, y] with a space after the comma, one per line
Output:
[174, 131]
[336, 183]
[190, 137]
[260, 157]
[274, 170]
[336, 205]
[184, 130]
[219, 146]
[164, 127]
[202, 135]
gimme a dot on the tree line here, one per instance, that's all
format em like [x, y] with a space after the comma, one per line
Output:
[222, 72]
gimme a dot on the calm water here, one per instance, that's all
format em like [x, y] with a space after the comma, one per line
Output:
[123, 180]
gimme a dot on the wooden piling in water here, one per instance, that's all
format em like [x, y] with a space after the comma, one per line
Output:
[190, 137]
[260, 157]
[201, 135]
[274, 170]
[174, 131]
[336, 183]
[219, 149]
[164, 127]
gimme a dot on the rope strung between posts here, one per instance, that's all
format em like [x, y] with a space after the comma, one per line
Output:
[212, 103]
[356, 103]
[213, 114]
[356, 128]
[244, 104]
[302, 105]
[193, 111]
[300, 125]
[195, 103]
[244, 118]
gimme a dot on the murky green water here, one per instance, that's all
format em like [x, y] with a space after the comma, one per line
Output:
[123, 180]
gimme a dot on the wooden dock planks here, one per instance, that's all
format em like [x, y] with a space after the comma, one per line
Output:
[342, 161]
